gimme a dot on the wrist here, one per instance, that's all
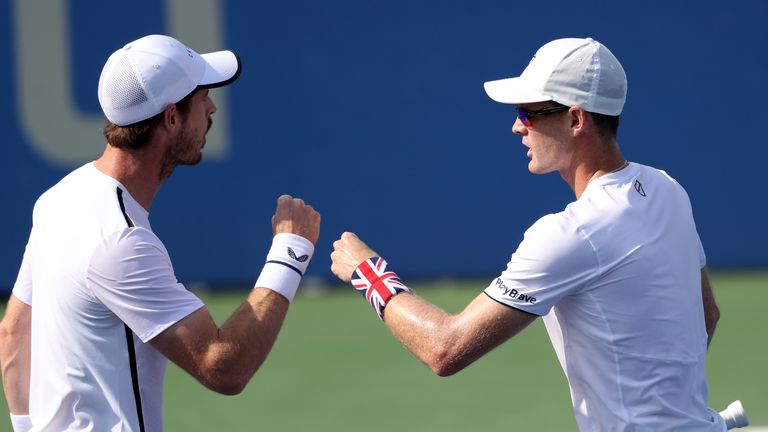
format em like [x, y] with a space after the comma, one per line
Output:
[377, 284]
[287, 261]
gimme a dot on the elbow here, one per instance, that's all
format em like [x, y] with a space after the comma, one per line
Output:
[226, 376]
[445, 353]
[228, 388]
[444, 363]
[712, 317]
[712, 320]
[4, 334]
[7, 331]
[444, 371]
[715, 315]
[8, 336]
[226, 384]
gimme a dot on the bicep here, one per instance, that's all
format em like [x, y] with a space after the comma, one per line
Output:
[17, 324]
[22, 288]
[18, 313]
[490, 323]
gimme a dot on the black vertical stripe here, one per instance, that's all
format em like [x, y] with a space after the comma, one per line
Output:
[122, 207]
[134, 376]
[129, 337]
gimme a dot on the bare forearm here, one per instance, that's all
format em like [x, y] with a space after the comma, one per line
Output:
[16, 379]
[225, 358]
[446, 343]
[252, 329]
[243, 342]
[430, 334]
[15, 332]
[449, 343]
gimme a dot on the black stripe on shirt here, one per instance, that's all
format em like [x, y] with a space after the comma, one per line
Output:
[129, 337]
[134, 376]
[122, 207]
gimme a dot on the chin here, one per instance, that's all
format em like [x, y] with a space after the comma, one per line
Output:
[538, 169]
[534, 169]
[192, 160]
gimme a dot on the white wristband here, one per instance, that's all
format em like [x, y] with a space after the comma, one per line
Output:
[287, 261]
[21, 423]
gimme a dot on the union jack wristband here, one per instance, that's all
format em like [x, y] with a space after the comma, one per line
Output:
[376, 284]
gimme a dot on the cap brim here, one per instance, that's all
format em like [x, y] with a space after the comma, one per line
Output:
[221, 68]
[514, 91]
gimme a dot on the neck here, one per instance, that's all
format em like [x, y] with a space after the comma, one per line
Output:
[594, 165]
[139, 172]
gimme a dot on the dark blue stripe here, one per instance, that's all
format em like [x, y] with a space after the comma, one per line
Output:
[287, 265]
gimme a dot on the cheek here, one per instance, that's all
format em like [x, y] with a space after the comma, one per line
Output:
[545, 149]
[197, 123]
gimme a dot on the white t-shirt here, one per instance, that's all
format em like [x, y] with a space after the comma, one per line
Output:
[617, 277]
[92, 266]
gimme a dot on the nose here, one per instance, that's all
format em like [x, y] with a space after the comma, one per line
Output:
[519, 128]
[211, 105]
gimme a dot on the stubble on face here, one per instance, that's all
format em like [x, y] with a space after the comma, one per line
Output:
[186, 149]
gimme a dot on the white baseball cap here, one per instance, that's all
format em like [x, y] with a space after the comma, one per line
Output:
[147, 75]
[571, 72]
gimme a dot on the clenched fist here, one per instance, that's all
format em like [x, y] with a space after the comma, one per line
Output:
[295, 217]
[348, 252]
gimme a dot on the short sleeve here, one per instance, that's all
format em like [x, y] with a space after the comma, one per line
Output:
[22, 289]
[131, 273]
[554, 260]
[702, 255]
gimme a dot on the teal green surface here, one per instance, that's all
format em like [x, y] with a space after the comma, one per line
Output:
[336, 367]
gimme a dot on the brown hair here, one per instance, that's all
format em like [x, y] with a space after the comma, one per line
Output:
[607, 126]
[137, 135]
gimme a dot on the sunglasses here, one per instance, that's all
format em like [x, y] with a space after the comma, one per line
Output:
[526, 115]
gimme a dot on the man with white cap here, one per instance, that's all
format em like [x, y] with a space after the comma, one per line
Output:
[618, 276]
[108, 309]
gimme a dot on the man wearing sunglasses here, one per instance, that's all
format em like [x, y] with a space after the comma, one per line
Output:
[618, 276]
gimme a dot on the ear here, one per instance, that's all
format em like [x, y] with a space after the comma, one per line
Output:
[171, 117]
[578, 119]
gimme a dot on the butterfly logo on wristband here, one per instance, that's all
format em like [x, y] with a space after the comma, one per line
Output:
[292, 254]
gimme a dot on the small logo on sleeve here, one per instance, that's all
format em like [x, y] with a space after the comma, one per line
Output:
[513, 293]
[292, 254]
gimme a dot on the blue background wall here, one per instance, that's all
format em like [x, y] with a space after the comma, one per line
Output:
[374, 112]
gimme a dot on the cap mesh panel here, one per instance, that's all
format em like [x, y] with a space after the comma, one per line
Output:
[124, 89]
